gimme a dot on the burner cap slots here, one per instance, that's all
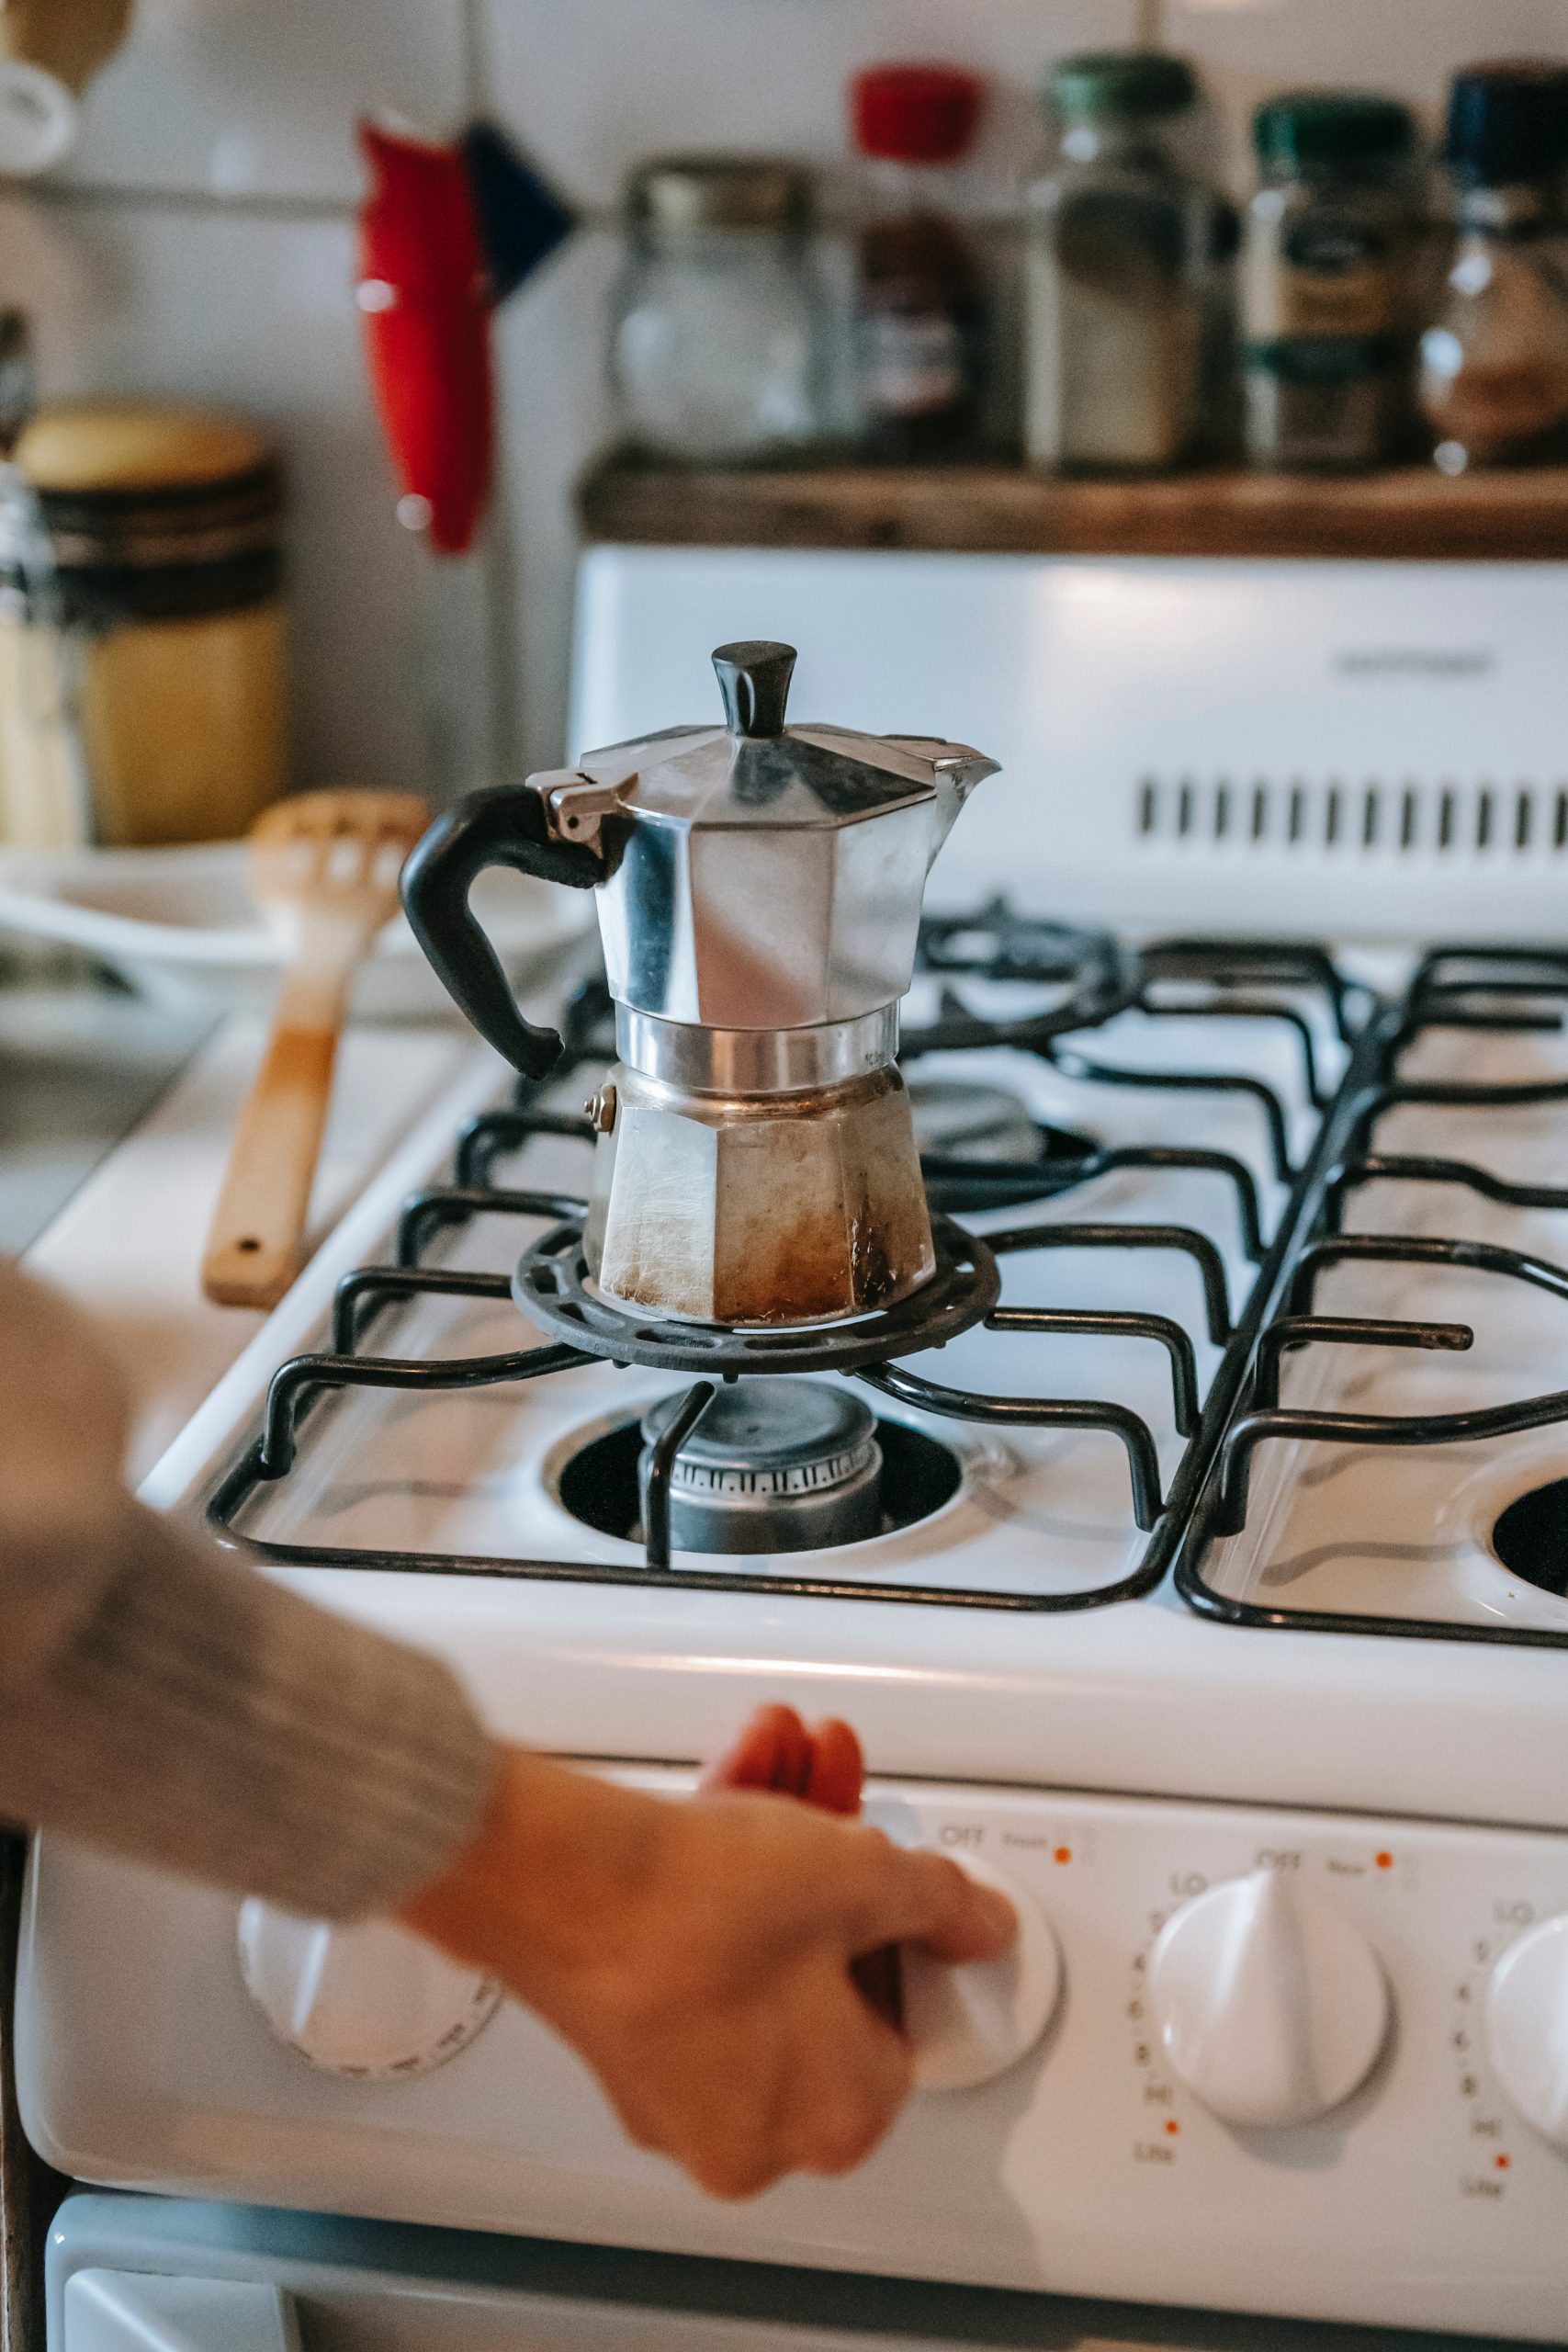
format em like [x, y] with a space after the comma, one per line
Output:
[773, 1465]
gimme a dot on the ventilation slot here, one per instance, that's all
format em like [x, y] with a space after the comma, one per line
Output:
[1344, 818]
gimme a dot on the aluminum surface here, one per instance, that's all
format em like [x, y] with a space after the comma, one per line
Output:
[755, 1061]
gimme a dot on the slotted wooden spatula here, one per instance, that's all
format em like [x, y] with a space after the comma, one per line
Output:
[324, 868]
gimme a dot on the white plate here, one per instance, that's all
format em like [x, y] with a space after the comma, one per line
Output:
[180, 924]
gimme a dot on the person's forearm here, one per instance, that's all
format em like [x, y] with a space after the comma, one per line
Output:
[200, 1718]
[159, 1698]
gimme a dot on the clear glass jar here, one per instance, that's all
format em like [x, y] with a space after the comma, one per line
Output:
[1127, 275]
[1331, 281]
[720, 328]
[1495, 361]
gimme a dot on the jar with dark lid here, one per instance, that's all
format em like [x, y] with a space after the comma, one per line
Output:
[720, 337]
[1127, 275]
[1494, 360]
[1331, 281]
[920, 305]
[165, 525]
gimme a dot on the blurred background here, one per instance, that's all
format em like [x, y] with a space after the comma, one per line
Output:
[198, 242]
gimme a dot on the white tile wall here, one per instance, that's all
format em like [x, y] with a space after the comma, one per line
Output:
[1248, 48]
[260, 97]
[591, 84]
[204, 245]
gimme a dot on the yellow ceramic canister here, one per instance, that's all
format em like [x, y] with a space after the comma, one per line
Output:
[165, 527]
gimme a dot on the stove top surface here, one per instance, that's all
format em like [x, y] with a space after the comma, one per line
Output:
[1144, 1419]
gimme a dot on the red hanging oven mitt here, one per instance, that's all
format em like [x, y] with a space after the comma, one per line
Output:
[424, 301]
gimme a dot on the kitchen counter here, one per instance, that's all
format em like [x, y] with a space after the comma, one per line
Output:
[115, 1119]
[80, 1063]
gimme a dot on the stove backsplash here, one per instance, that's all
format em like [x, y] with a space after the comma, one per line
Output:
[200, 243]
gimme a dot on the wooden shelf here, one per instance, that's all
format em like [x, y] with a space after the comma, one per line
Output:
[1410, 512]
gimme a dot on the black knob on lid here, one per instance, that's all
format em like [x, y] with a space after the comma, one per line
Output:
[753, 678]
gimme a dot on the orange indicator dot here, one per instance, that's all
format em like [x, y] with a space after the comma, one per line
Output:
[1064, 1854]
[1172, 2126]
[1502, 2163]
[1385, 1861]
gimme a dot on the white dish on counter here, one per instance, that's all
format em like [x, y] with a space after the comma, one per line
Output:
[181, 926]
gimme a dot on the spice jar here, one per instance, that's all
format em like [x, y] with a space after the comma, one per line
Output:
[1331, 278]
[719, 334]
[159, 643]
[1494, 362]
[920, 308]
[1126, 273]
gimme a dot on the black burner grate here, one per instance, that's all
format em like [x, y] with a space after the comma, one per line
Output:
[1505, 989]
[1088, 978]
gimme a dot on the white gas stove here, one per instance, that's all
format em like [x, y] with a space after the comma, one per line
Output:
[1230, 1639]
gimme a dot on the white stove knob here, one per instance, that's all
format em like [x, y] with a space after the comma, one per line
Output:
[1271, 2005]
[971, 2024]
[370, 2002]
[1527, 2027]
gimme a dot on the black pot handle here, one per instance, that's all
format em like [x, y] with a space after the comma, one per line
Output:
[507, 826]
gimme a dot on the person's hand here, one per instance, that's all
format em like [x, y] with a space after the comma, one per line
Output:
[698, 1955]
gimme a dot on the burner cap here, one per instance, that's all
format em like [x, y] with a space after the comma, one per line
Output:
[773, 1465]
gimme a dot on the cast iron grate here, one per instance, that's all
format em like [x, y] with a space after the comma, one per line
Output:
[1096, 978]
[1498, 989]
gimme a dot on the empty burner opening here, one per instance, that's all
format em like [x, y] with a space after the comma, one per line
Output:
[599, 1484]
[1531, 1538]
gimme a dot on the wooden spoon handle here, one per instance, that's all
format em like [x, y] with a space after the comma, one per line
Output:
[255, 1244]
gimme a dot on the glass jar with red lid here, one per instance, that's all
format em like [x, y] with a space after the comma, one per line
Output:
[922, 312]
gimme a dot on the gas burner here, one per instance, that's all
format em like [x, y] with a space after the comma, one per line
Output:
[1531, 1538]
[1090, 977]
[772, 1466]
[996, 944]
[552, 1287]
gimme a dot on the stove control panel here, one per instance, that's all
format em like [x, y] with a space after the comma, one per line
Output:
[368, 2002]
[1241, 2058]
[1271, 2007]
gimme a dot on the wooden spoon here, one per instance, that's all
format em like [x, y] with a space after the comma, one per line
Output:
[324, 868]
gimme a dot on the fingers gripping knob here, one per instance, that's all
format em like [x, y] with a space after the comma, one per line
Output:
[970, 2024]
[370, 2002]
[1271, 2005]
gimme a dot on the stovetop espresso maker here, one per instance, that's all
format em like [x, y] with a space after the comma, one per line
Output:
[759, 889]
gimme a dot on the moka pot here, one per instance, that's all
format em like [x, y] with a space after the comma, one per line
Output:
[758, 896]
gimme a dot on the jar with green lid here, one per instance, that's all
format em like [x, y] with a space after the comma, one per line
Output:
[1126, 274]
[721, 336]
[1333, 274]
[142, 678]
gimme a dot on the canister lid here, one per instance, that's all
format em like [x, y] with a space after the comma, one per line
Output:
[682, 193]
[1508, 122]
[156, 511]
[121, 446]
[1097, 82]
[1308, 128]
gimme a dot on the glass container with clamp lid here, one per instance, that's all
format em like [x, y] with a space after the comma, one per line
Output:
[719, 335]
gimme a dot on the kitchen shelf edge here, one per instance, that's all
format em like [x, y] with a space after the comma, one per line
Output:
[1411, 513]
